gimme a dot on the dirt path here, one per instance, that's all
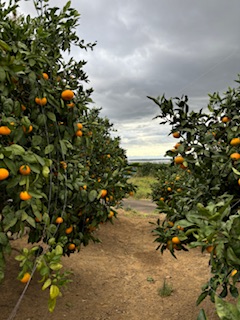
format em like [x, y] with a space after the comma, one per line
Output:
[117, 280]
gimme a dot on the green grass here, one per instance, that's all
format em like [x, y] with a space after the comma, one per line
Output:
[143, 186]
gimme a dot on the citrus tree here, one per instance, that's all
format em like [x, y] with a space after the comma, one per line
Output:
[200, 193]
[61, 172]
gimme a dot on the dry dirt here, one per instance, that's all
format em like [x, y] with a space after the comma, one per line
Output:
[116, 279]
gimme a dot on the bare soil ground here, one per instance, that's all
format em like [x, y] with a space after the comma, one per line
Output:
[117, 279]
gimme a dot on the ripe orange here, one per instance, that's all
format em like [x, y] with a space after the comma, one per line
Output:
[29, 129]
[103, 193]
[69, 230]
[176, 240]
[67, 95]
[23, 107]
[24, 195]
[170, 223]
[25, 170]
[161, 199]
[235, 156]
[41, 102]
[5, 131]
[225, 119]
[59, 220]
[71, 246]
[177, 145]
[169, 189]
[234, 272]
[209, 248]
[176, 134]
[45, 76]
[239, 182]
[79, 125]
[4, 173]
[26, 277]
[131, 193]
[111, 214]
[70, 105]
[178, 160]
[63, 165]
[78, 133]
[235, 142]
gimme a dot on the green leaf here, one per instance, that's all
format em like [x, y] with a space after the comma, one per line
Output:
[92, 195]
[54, 291]
[226, 310]
[55, 266]
[4, 46]
[31, 221]
[51, 116]
[58, 250]
[51, 304]
[45, 171]
[235, 171]
[202, 315]
[2, 75]
[46, 284]
[3, 239]
[49, 149]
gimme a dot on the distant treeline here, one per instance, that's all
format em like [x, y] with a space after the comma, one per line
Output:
[148, 168]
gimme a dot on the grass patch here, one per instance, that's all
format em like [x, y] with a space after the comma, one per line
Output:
[143, 186]
[166, 289]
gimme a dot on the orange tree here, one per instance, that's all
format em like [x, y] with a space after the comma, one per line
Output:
[203, 205]
[61, 172]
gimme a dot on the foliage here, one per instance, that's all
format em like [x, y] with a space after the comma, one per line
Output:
[148, 168]
[202, 202]
[78, 172]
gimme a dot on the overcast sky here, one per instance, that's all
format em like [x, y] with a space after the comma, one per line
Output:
[151, 47]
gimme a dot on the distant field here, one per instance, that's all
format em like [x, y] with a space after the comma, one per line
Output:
[143, 184]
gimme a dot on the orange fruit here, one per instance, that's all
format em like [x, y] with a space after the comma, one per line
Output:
[162, 199]
[169, 189]
[111, 214]
[25, 170]
[79, 125]
[131, 193]
[69, 230]
[235, 156]
[29, 129]
[70, 105]
[209, 249]
[103, 193]
[78, 133]
[23, 107]
[41, 102]
[235, 142]
[45, 76]
[5, 131]
[26, 277]
[67, 95]
[4, 173]
[234, 272]
[24, 195]
[170, 223]
[176, 240]
[71, 246]
[239, 182]
[177, 145]
[176, 134]
[63, 165]
[225, 119]
[180, 228]
[178, 160]
[59, 220]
